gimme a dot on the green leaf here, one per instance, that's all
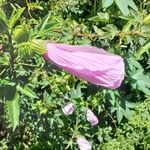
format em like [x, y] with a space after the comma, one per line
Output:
[100, 17]
[133, 63]
[98, 31]
[76, 93]
[132, 4]
[128, 25]
[34, 5]
[129, 104]
[44, 22]
[123, 6]
[26, 91]
[112, 31]
[14, 17]
[120, 112]
[107, 3]
[128, 113]
[13, 111]
[142, 81]
[143, 49]
[7, 89]
[147, 20]
[3, 26]
[2, 14]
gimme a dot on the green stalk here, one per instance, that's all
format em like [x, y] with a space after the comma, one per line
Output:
[12, 53]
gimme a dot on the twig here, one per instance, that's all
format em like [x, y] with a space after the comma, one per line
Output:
[113, 120]
[2, 72]
[12, 53]
[93, 35]
[27, 65]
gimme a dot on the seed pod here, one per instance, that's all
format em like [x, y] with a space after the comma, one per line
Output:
[147, 20]
[21, 34]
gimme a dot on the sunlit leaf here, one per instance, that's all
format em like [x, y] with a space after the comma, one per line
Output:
[107, 3]
[13, 111]
[15, 16]
[120, 112]
[26, 91]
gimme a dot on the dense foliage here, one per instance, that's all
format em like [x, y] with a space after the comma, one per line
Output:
[32, 91]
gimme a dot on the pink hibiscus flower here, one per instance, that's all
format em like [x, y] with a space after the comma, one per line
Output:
[89, 63]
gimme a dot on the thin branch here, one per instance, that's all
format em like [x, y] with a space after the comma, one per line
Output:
[110, 116]
[2, 72]
[93, 35]
[27, 64]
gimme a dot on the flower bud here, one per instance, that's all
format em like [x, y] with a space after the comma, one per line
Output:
[68, 108]
[147, 20]
[89, 63]
[21, 34]
[84, 144]
[91, 117]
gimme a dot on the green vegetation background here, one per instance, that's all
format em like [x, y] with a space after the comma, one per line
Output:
[32, 92]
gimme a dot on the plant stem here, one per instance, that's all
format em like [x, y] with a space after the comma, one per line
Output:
[30, 65]
[95, 1]
[93, 35]
[113, 120]
[2, 71]
[12, 54]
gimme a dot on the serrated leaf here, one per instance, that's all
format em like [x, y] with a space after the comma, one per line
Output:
[134, 63]
[112, 31]
[98, 31]
[142, 81]
[76, 93]
[26, 91]
[13, 111]
[14, 17]
[144, 89]
[107, 3]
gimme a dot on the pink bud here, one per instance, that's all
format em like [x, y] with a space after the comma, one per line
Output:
[91, 117]
[84, 144]
[68, 108]
[89, 63]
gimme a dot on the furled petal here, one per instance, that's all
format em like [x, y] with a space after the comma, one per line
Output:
[91, 117]
[87, 62]
[68, 108]
[84, 144]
